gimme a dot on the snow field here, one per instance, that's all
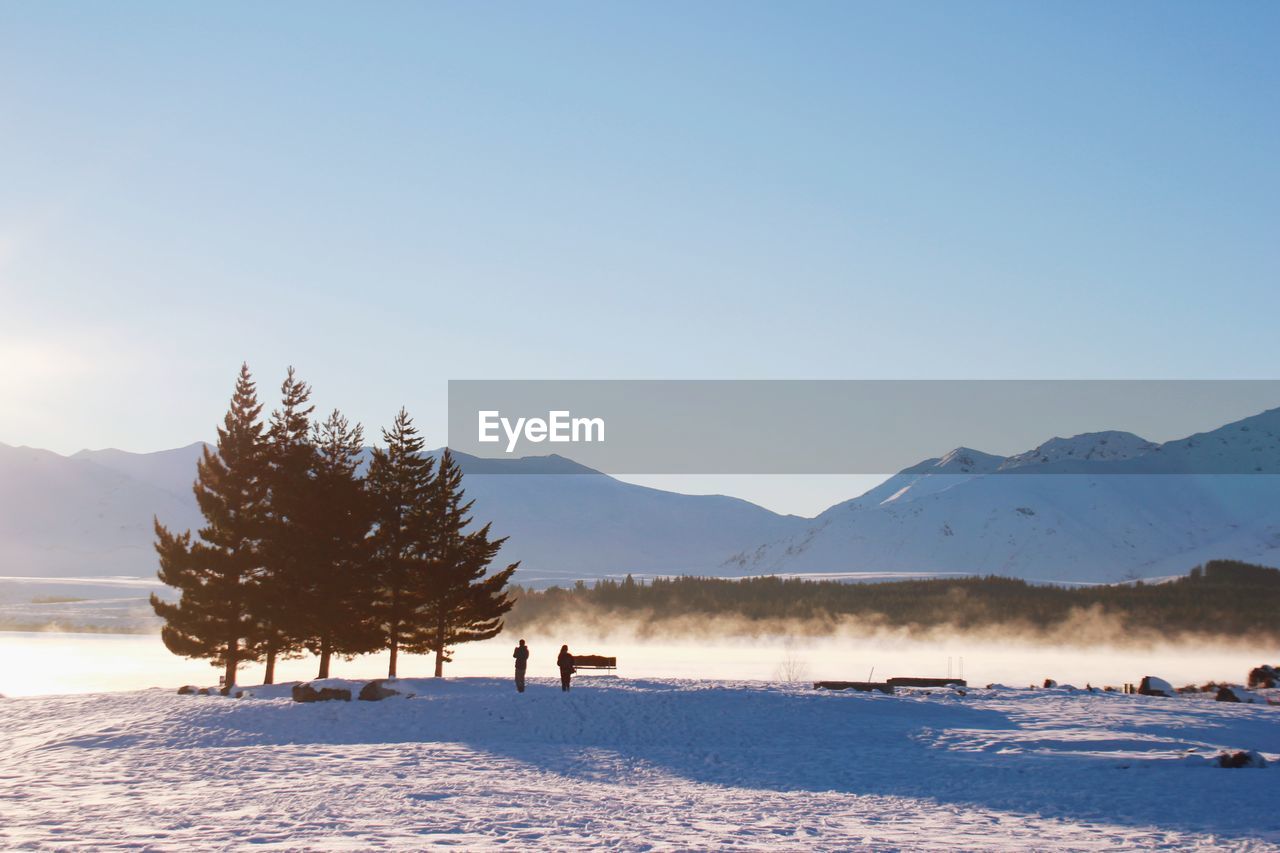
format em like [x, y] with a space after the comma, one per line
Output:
[634, 765]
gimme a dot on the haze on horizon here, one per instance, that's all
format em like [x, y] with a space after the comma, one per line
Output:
[391, 198]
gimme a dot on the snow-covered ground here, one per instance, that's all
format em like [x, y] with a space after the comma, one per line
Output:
[634, 764]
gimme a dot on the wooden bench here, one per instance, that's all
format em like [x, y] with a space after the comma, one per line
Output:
[581, 662]
[864, 686]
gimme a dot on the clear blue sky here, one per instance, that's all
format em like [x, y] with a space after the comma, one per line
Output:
[391, 195]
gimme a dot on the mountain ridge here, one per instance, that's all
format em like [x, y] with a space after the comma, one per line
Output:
[1053, 512]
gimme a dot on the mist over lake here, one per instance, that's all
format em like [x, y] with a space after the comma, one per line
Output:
[56, 662]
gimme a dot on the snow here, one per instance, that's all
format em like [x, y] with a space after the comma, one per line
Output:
[636, 763]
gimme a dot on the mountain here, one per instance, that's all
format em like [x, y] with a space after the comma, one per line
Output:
[170, 470]
[1098, 507]
[1108, 446]
[929, 476]
[587, 524]
[90, 515]
[67, 516]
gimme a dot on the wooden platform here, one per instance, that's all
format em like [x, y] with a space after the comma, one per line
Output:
[928, 682]
[864, 686]
[890, 685]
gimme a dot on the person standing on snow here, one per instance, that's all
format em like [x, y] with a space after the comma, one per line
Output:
[565, 662]
[521, 654]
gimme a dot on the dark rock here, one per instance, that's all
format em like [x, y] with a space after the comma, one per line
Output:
[1049, 682]
[1152, 686]
[1228, 693]
[1264, 676]
[376, 691]
[1241, 758]
[307, 693]
[187, 690]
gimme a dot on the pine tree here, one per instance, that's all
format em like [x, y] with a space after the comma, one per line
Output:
[214, 573]
[399, 484]
[465, 605]
[334, 597]
[290, 460]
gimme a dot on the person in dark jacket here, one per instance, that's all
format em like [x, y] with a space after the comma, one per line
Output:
[521, 654]
[565, 662]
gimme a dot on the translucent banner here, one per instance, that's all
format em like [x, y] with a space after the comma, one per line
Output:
[872, 427]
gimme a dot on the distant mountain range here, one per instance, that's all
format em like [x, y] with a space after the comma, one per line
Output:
[1098, 507]
[90, 514]
[1060, 512]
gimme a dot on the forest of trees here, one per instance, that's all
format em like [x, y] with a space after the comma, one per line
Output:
[300, 552]
[1223, 598]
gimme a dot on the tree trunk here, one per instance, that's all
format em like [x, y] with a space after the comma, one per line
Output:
[391, 670]
[439, 649]
[325, 653]
[270, 677]
[233, 654]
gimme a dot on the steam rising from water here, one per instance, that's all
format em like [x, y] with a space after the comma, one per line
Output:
[37, 663]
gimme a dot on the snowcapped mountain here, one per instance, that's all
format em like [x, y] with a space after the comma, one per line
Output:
[587, 524]
[928, 477]
[1096, 507]
[90, 515]
[1089, 447]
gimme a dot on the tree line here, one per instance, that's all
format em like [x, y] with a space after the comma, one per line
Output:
[1222, 597]
[307, 547]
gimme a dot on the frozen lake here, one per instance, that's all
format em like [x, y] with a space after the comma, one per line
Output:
[50, 662]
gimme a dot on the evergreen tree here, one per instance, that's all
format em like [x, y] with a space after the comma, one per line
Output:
[465, 605]
[290, 461]
[334, 596]
[399, 484]
[214, 573]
